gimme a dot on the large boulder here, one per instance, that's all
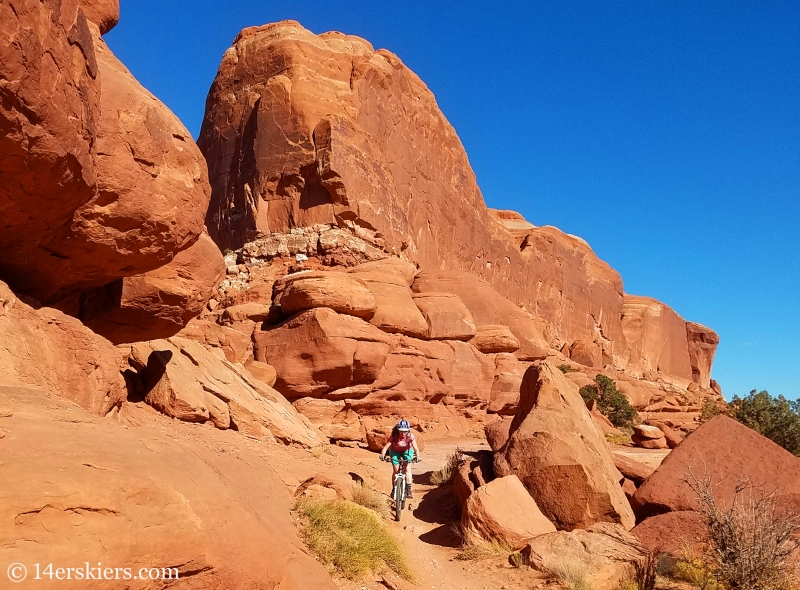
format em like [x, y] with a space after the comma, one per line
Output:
[320, 350]
[390, 281]
[605, 556]
[634, 470]
[204, 502]
[508, 374]
[101, 183]
[560, 456]
[673, 533]
[159, 303]
[502, 510]
[42, 347]
[489, 339]
[447, 316]
[185, 380]
[340, 292]
[725, 453]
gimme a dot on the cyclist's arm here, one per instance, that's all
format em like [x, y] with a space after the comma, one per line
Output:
[385, 448]
[415, 447]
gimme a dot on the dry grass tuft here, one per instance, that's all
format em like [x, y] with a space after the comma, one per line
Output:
[445, 474]
[571, 573]
[349, 539]
[476, 550]
[368, 497]
[618, 439]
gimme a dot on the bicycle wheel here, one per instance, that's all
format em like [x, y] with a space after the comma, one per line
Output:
[399, 497]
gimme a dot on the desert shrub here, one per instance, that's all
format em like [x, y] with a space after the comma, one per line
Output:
[516, 560]
[618, 439]
[349, 539]
[445, 474]
[566, 368]
[751, 539]
[710, 409]
[774, 417]
[368, 497]
[628, 585]
[697, 571]
[610, 401]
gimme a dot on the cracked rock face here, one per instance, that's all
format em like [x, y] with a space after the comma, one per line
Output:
[98, 179]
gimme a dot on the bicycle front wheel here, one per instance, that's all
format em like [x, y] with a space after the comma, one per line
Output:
[399, 497]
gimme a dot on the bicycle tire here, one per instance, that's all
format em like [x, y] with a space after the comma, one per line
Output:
[399, 497]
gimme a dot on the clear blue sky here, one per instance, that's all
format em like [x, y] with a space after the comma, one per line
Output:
[667, 134]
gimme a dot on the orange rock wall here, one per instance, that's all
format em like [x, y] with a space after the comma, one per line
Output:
[303, 129]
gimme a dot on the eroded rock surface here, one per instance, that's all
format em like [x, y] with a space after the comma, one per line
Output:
[560, 455]
[42, 347]
[130, 495]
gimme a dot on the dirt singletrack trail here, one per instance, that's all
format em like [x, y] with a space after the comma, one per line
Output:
[427, 535]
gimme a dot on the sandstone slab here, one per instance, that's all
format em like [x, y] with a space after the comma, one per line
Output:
[185, 380]
[502, 510]
[560, 456]
[137, 496]
[727, 453]
[605, 555]
[44, 348]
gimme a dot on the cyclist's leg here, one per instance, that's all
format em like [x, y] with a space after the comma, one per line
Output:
[395, 465]
[409, 456]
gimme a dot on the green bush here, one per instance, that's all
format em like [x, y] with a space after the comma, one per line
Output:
[610, 401]
[710, 409]
[774, 417]
[566, 369]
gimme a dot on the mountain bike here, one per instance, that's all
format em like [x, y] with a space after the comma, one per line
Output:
[399, 491]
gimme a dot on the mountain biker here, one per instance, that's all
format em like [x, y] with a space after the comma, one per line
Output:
[402, 445]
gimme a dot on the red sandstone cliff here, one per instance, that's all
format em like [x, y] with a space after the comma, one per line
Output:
[303, 129]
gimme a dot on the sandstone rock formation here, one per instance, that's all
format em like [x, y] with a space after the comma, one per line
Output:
[340, 292]
[131, 496]
[187, 381]
[492, 339]
[605, 555]
[672, 533]
[158, 303]
[560, 456]
[44, 348]
[726, 453]
[303, 129]
[702, 346]
[488, 308]
[446, 315]
[502, 510]
[75, 124]
[657, 338]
